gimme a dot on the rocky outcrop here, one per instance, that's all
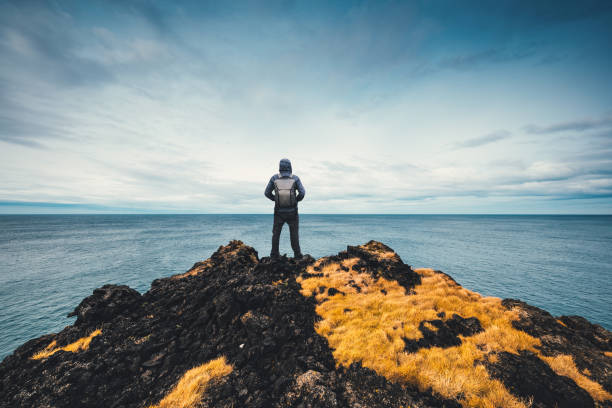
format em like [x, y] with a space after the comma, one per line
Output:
[523, 374]
[251, 311]
[443, 333]
[588, 344]
[106, 303]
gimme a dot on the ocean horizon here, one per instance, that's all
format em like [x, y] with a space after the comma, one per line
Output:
[50, 262]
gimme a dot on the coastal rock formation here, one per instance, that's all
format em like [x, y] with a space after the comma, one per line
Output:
[357, 329]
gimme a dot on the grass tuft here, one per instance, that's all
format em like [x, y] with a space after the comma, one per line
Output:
[564, 365]
[368, 326]
[196, 270]
[79, 345]
[191, 387]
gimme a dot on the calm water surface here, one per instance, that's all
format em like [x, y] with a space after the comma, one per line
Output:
[48, 263]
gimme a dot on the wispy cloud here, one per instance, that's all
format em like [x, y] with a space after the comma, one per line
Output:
[382, 106]
[483, 140]
[490, 56]
[577, 125]
[43, 42]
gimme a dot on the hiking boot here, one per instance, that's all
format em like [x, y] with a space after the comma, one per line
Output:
[274, 256]
[298, 256]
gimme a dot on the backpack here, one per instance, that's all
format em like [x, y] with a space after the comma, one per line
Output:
[284, 190]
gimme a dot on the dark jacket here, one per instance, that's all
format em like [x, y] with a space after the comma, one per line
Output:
[284, 169]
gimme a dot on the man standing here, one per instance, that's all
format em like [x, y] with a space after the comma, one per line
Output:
[282, 190]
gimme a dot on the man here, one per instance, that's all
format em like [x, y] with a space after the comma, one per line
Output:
[282, 190]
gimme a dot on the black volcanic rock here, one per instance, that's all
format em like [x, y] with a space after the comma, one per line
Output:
[523, 374]
[573, 335]
[251, 311]
[106, 303]
[369, 261]
[446, 333]
[233, 304]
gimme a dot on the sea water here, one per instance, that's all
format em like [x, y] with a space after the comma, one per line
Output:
[49, 263]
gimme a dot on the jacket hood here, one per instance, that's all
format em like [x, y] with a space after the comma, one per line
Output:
[284, 167]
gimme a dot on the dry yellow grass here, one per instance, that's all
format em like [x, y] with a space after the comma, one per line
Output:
[79, 345]
[204, 265]
[386, 255]
[608, 353]
[369, 326]
[381, 252]
[142, 339]
[564, 365]
[191, 387]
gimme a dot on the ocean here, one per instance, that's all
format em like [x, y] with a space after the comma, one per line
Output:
[48, 263]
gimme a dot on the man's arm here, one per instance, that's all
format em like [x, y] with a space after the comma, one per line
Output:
[301, 189]
[269, 189]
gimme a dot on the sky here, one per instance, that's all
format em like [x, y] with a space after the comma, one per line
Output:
[134, 106]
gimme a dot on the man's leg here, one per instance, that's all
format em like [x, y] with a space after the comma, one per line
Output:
[294, 224]
[276, 231]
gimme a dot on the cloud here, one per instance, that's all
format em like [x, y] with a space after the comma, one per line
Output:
[519, 15]
[21, 123]
[41, 206]
[42, 42]
[560, 11]
[483, 140]
[149, 11]
[113, 49]
[167, 106]
[470, 61]
[338, 167]
[25, 134]
[577, 125]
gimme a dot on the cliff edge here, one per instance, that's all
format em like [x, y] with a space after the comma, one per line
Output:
[357, 329]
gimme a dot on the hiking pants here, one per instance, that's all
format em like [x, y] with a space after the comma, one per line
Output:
[293, 220]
